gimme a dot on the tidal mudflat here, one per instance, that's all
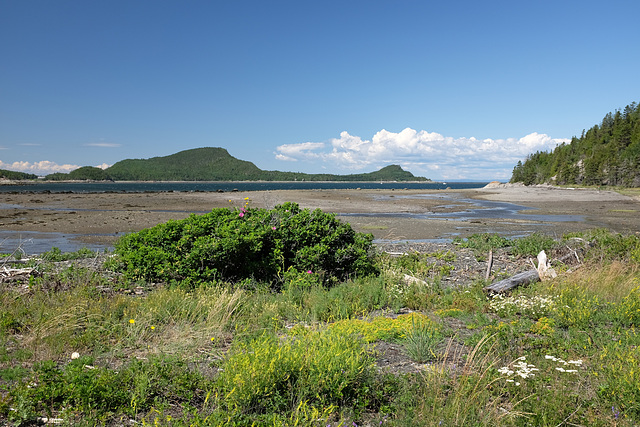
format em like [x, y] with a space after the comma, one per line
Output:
[96, 220]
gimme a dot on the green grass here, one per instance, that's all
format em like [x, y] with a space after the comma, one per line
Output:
[374, 227]
[561, 352]
[633, 192]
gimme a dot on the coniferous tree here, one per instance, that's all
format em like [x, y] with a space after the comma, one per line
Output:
[606, 154]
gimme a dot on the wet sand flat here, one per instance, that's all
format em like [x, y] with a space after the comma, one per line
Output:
[387, 214]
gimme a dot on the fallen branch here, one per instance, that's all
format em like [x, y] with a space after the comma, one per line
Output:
[8, 274]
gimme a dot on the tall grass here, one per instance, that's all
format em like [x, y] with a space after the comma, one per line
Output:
[52, 325]
[461, 395]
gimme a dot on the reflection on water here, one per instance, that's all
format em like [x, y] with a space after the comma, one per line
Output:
[31, 242]
[479, 209]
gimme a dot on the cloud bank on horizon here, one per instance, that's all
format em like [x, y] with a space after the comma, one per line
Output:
[43, 167]
[424, 153]
[428, 154]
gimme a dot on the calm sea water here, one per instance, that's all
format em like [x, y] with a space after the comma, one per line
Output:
[156, 187]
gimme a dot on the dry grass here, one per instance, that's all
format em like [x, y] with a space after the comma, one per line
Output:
[612, 281]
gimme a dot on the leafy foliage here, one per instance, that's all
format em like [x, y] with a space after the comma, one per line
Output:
[606, 154]
[248, 244]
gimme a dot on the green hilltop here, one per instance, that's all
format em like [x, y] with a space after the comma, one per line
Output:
[606, 154]
[215, 164]
[16, 176]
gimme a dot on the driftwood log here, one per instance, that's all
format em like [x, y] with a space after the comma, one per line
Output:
[507, 284]
[542, 271]
[13, 274]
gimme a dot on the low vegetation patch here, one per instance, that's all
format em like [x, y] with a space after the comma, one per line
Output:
[379, 341]
[530, 245]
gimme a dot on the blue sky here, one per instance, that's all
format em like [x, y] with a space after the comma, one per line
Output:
[449, 90]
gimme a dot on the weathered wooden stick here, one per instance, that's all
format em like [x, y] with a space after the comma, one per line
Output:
[489, 265]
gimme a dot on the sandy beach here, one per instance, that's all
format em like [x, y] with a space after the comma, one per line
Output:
[510, 210]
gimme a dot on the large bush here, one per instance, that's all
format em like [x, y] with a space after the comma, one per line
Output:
[248, 243]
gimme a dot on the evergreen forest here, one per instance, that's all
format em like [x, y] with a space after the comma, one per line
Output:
[17, 176]
[606, 154]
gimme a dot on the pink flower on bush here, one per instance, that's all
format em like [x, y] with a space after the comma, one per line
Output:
[273, 228]
[242, 212]
[309, 272]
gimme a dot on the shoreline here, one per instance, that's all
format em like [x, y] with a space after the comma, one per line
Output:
[390, 215]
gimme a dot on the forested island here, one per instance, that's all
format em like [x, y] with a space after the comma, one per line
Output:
[606, 154]
[214, 164]
[15, 176]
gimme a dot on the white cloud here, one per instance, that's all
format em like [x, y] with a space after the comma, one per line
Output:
[103, 144]
[424, 153]
[39, 168]
[293, 152]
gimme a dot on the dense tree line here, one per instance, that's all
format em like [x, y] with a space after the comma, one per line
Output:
[85, 173]
[606, 154]
[16, 176]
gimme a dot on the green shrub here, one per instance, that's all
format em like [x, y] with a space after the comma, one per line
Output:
[56, 255]
[271, 374]
[247, 243]
[609, 246]
[532, 244]
[482, 243]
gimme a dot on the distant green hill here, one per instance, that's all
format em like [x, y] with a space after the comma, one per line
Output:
[85, 173]
[216, 164]
[199, 164]
[606, 154]
[18, 176]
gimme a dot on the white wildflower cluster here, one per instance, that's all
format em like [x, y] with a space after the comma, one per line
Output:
[396, 290]
[520, 369]
[535, 306]
[575, 363]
